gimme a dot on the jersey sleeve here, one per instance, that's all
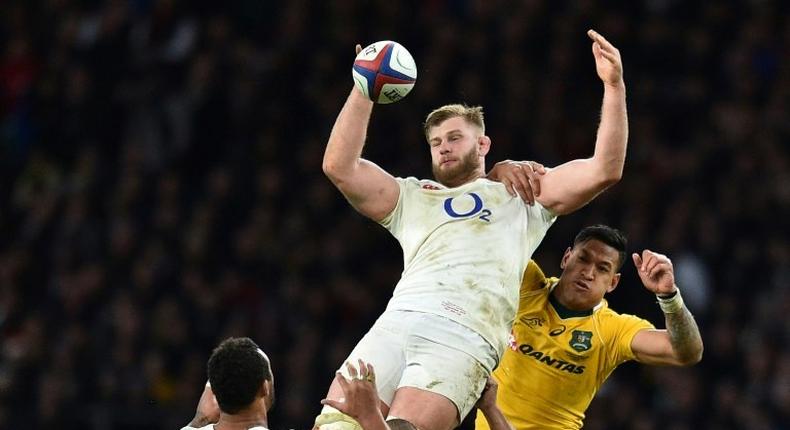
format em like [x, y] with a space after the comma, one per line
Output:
[626, 327]
[539, 219]
[533, 278]
[533, 285]
[395, 220]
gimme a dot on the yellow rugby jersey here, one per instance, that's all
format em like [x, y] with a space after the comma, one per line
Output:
[557, 359]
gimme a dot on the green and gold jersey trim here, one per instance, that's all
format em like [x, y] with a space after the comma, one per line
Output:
[564, 312]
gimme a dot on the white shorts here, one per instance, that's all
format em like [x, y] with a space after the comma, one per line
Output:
[429, 352]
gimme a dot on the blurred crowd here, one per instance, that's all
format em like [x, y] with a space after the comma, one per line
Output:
[161, 189]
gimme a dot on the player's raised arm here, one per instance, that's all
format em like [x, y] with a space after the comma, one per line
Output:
[680, 344]
[573, 184]
[370, 189]
[207, 409]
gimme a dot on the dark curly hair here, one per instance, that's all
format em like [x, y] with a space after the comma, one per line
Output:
[236, 370]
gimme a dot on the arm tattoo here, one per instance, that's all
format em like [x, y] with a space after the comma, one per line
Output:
[684, 335]
[200, 420]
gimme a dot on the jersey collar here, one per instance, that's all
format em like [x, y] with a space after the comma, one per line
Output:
[564, 312]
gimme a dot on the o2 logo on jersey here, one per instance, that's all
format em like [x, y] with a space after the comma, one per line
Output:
[477, 209]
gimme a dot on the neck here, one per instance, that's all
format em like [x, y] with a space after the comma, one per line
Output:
[243, 420]
[457, 182]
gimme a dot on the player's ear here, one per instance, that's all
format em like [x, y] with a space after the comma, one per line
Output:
[266, 392]
[483, 145]
[615, 281]
[565, 257]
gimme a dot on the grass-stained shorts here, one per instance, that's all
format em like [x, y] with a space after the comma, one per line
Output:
[429, 352]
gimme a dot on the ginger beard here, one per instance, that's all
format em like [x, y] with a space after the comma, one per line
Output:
[458, 174]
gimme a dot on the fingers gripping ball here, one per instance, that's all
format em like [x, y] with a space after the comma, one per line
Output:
[384, 71]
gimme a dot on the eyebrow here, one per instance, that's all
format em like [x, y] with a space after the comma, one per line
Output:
[586, 254]
[455, 130]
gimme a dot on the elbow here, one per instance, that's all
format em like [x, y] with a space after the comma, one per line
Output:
[697, 356]
[332, 170]
[612, 175]
[691, 359]
[610, 166]
[607, 172]
[328, 167]
[605, 179]
[337, 173]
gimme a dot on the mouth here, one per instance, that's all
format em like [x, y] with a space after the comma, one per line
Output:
[581, 285]
[447, 162]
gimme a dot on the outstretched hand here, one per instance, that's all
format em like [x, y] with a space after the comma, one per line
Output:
[656, 272]
[608, 63]
[520, 178]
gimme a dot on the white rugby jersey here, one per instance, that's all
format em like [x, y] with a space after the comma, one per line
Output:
[464, 252]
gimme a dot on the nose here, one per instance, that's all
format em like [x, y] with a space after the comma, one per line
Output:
[444, 148]
[587, 272]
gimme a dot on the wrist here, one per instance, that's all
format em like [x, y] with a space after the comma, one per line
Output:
[357, 96]
[488, 409]
[615, 86]
[372, 422]
[670, 303]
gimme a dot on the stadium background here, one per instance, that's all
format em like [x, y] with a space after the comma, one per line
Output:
[160, 165]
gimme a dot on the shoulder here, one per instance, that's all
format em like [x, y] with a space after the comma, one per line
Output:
[615, 322]
[534, 275]
[605, 313]
[534, 279]
[489, 185]
[414, 183]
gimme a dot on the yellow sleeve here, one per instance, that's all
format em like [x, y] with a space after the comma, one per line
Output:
[533, 278]
[532, 286]
[626, 326]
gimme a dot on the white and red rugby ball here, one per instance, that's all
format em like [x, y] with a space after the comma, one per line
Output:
[384, 71]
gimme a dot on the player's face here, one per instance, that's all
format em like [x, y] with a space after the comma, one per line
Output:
[457, 150]
[589, 272]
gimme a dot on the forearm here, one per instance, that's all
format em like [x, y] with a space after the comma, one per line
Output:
[612, 138]
[575, 183]
[496, 419]
[347, 139]
[199, 421]
[684, 336]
